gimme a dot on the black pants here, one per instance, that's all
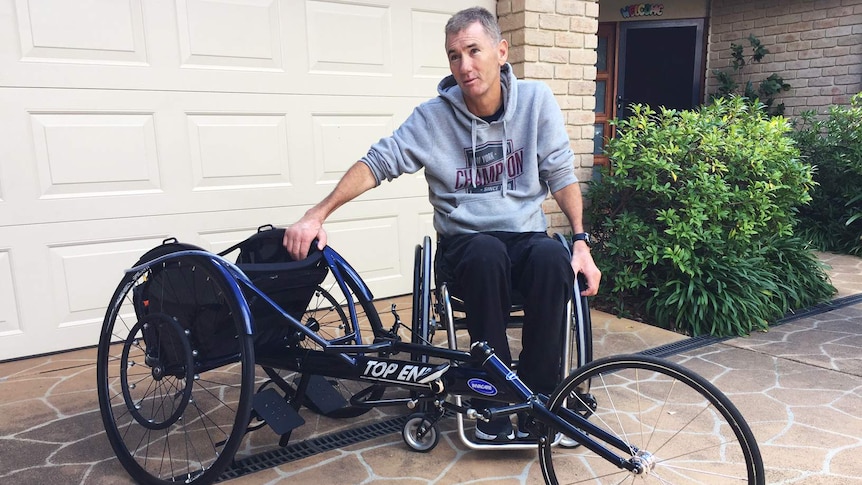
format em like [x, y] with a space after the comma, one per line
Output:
[483, 268]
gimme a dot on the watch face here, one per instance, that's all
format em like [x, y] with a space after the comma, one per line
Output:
[583, 236]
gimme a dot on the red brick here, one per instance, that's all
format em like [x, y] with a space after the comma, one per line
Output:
[789, 37]
[799, 46]
[840, 11]
[791, 19]
[824, 43]
[839, 31]
[811, 35]
[799, 27]
[841, 51]
[821, 81]
[827, 23]
[851, 20]
[818, 100]
[797, 65]
[776, 29]
[811, 54]
[798, 7]
[823, 62]
[808, 73]
[816, 14]
[836, 71]
[847, 79]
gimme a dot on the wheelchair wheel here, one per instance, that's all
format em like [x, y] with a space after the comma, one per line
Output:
[328, 317]
[419, 433]
[678, 426]
[175, 372]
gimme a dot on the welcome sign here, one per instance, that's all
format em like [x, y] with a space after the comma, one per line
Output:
[642, 10]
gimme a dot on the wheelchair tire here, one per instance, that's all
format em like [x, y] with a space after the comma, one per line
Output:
[677, 425]
[420, 434]
[327, 316]
[174, 395]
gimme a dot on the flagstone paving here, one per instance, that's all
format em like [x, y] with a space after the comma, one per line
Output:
[798, 385]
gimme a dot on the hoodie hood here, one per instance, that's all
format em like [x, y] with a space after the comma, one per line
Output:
[449, 90]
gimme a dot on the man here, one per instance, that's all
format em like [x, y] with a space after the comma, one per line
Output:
[492, 147]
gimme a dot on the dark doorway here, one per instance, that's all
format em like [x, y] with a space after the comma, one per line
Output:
[660, 64]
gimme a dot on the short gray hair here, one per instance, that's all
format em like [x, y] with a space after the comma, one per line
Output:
[465, 18]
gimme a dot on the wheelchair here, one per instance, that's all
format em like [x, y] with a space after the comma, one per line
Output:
[445, 311]
[187, 330]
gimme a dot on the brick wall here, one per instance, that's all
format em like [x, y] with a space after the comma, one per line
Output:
[816, 46]
[555, 41]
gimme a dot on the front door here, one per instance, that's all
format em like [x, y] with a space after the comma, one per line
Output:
[660, 64]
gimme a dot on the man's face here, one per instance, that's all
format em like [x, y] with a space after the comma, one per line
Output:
[475, 60]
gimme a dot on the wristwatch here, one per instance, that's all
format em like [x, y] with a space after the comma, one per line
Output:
[583, 236]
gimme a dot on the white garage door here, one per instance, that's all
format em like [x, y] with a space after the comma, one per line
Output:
[126, 122]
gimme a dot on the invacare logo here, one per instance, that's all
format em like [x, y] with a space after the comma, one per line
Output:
[482, 387]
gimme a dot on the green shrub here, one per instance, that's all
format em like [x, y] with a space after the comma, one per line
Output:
[694, 220]
[833, 219]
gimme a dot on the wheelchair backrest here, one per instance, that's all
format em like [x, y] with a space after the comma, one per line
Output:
[176, 290]
[290, 284]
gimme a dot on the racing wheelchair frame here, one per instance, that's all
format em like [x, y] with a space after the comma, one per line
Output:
[186, 329]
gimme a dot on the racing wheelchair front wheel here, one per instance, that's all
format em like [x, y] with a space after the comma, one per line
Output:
[175, 372]
[678, 427]
[419, 433]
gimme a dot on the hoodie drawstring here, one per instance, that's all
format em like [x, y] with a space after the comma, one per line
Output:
[473, 170]
[505, 161]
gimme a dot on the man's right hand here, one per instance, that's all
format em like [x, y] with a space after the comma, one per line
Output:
[299, 236]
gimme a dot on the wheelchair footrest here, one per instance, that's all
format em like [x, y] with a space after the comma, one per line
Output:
[322, 397]
[277, 413]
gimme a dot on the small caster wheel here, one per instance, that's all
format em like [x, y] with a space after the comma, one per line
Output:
[419, 434]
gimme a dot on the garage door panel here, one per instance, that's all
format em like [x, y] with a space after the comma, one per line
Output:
[230, 35]
[368, 28]
[98, 31]
[341, 139]
[236, 151]
[9, 323]
[81, 154]
[84, 275]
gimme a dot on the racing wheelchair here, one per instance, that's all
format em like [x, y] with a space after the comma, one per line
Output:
[186, 330]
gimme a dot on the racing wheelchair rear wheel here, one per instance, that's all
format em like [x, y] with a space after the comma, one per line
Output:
[175, 371]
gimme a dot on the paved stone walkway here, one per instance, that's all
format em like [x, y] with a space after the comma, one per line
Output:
[799, 387]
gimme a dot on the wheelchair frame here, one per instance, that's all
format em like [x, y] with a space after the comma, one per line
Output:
[152, 409]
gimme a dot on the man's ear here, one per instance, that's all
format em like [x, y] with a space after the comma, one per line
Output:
[503, 51]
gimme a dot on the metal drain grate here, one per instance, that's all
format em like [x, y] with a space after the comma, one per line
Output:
[704, 340]
[304, 449]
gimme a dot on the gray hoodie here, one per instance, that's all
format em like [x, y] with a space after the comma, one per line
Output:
[482, 177]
